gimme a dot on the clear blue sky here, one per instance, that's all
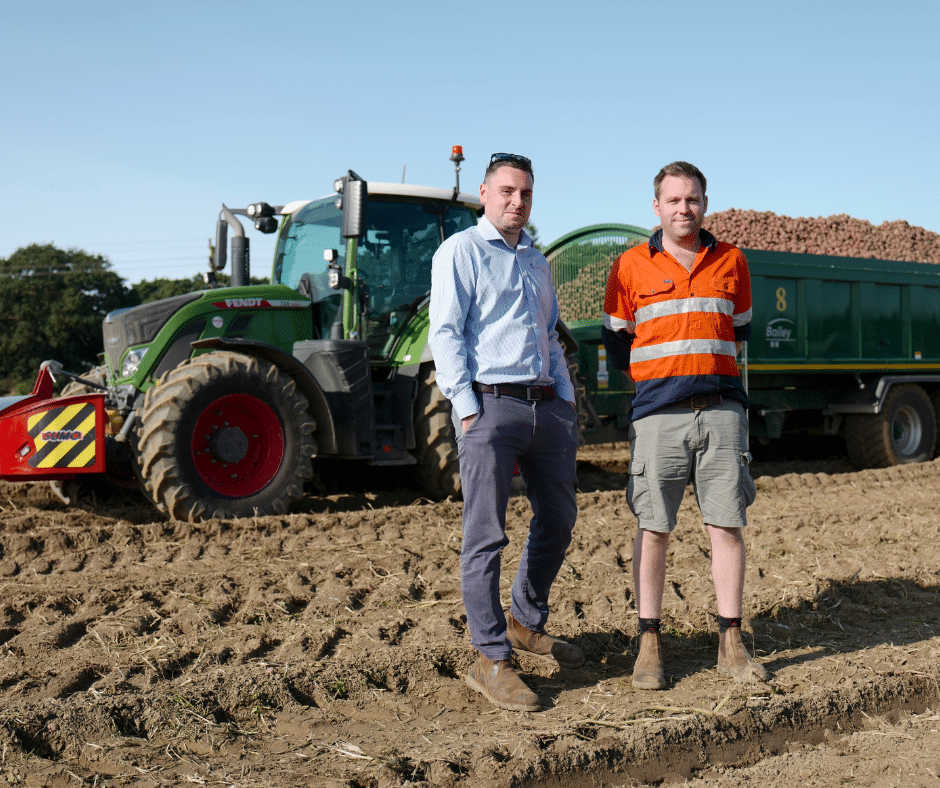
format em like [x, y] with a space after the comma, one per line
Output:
[124, 125]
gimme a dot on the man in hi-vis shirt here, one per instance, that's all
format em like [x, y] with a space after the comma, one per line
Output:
[676, 312]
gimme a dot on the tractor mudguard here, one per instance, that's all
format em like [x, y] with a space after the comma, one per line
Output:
[44, 438]
[333, 438]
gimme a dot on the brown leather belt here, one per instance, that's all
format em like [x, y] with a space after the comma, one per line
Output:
[518, 391]
[698, 403]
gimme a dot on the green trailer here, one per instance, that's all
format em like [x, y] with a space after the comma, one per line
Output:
[840, 346]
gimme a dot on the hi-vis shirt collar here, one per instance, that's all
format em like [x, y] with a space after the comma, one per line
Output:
[656, 241]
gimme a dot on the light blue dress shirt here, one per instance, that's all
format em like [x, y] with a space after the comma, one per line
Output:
[493, 314]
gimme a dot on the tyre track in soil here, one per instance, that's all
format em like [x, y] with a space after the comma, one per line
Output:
[331, 642]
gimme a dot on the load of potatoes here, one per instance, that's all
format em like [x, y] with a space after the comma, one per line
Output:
[839, 236]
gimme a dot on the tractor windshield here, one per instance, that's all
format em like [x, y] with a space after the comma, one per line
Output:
[298, 258]
[393, 259]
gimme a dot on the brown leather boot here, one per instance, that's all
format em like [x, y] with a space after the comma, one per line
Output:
[734, 661]
[499, 684]
[566, 655]
[648, 671]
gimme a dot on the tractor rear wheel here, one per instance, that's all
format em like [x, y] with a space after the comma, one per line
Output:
[224, 435]
[903, 432]
[435, 442]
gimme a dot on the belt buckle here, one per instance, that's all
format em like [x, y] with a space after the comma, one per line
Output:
[698, 403]
[533, 393]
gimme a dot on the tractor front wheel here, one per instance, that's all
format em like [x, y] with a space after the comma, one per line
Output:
[224, 435]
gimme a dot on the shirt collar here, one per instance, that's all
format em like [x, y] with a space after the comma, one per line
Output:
[490, 233]
[656, 241]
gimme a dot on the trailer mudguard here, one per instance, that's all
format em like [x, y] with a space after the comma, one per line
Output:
[870, 396]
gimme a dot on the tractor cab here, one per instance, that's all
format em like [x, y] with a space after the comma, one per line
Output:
[391, 273]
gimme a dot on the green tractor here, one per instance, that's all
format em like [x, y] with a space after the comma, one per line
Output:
[227, 402]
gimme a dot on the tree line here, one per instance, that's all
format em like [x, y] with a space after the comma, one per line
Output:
[52, 302]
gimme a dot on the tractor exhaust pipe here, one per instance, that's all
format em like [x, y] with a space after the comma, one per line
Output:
[240, 248]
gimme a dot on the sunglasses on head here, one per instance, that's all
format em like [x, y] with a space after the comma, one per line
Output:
[510, 157]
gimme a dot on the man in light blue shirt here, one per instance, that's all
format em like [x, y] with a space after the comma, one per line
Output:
[500, 363]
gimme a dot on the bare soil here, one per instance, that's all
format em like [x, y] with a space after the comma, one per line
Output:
[328, 647]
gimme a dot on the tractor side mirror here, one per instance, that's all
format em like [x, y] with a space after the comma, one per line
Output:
[353, 196]
[221, 245]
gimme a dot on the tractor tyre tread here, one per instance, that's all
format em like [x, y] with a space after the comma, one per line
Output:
[437, 470]
[170, 409]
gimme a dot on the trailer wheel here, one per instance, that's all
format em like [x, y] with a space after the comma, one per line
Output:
[904, 432]
[88, 488]
[935, 403]
[224, 435]
[437, 470]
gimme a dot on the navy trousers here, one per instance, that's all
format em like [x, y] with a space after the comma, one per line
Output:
[543, 438]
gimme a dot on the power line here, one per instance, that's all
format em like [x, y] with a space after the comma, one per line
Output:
[173, 262]
[152, 244]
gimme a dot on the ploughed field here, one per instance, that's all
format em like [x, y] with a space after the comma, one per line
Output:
[327, 647]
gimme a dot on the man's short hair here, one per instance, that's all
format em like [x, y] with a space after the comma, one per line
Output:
[679, 169]
[513, 160]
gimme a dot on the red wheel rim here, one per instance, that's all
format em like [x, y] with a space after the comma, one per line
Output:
[237, 445]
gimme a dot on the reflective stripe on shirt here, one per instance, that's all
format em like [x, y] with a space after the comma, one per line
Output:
[684, 347]
[684, 306]
[619, 324]
[742, 318]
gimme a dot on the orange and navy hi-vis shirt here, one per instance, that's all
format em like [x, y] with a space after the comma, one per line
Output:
[675, 330]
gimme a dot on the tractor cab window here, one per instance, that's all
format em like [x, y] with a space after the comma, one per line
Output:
[394, 260]
[298, 259]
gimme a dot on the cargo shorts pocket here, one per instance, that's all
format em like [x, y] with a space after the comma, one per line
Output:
[638, 490]
[748, 488]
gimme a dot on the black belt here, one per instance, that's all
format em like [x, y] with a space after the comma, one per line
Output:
[518, 391]
[698, 403]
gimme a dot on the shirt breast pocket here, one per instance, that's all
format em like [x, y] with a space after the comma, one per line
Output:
[540, 272]
[650, 291]
[725, 286]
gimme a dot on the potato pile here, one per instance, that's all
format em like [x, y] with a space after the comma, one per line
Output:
[582, 298]
[839, 236]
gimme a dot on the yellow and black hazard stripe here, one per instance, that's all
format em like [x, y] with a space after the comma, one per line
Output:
[64, 436]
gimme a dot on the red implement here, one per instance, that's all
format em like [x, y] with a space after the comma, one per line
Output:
[46, 438]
